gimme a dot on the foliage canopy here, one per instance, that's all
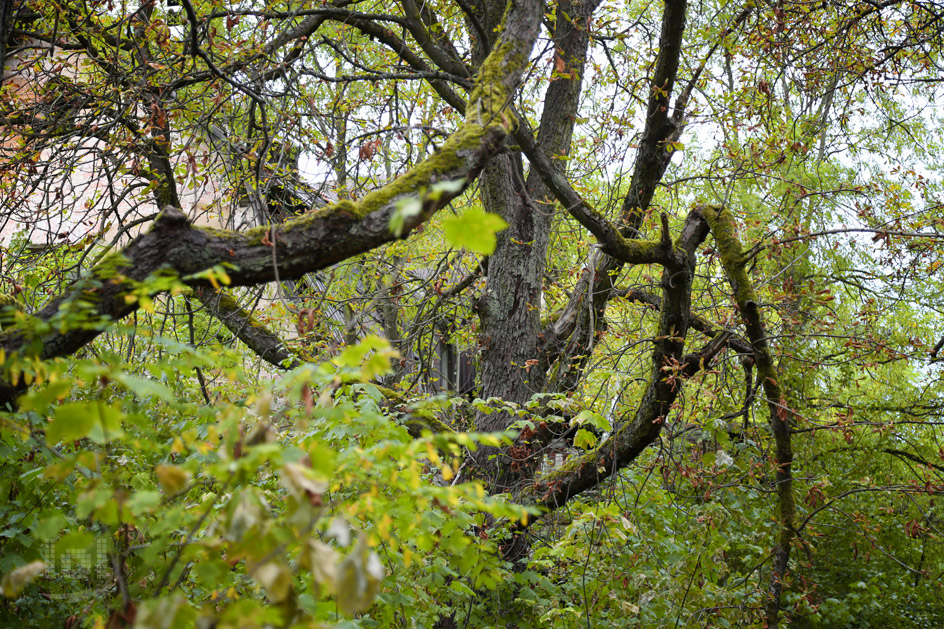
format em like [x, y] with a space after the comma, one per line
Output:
[448, 314]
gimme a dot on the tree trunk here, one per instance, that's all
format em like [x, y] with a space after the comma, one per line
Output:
[511, 306]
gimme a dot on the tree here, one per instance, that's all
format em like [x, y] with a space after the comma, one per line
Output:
[690, 358]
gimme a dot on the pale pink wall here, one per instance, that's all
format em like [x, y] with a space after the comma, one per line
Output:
[73, 205]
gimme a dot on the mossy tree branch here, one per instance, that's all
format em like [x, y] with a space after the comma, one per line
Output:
[732, 259]
[612, 242]
[569, 340]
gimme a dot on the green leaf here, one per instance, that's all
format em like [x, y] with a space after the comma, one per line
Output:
[70, 421]
[406, 209]
[354, 355]
[322, 459]
[107, 423]
[211, 573]
[144, 388]
[76, 420]
[77, 542]
[474, 230]
[594, 419]
[377, 364]
[585, 439]
[461, 588]
[143, 501]
[92, 500]
[50, 526]
[359, 577]
[40, 398]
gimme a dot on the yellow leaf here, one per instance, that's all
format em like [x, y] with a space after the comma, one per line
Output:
[323, 561]
[276, 579]
[14, 582]
[172, 478]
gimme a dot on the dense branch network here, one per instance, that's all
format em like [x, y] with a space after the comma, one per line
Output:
[160, 95]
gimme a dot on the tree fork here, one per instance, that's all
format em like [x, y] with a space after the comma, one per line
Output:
[669, 366]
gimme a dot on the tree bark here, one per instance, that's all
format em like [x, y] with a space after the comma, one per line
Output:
[511, 307]
[569, 341]
[264, 343]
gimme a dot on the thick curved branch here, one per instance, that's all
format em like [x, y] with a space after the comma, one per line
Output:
[439, 55]
[653, 155]
[569, 341]
[570, 337]
[612, 242]
[246, 328]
